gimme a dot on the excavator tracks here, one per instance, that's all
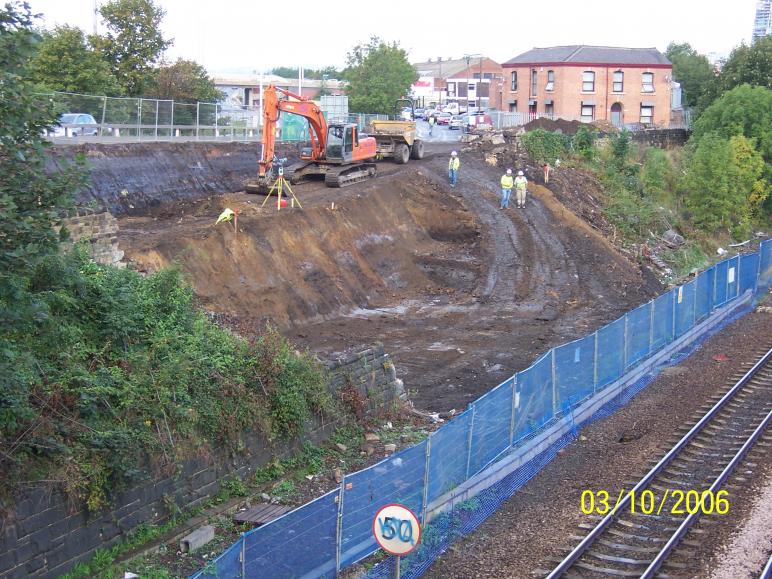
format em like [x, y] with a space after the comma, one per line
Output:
[343, 176]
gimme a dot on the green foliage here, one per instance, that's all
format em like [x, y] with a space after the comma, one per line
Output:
[65, 62]
[745, 111]
[378, 74]
[620, 148]
[658, 176]
[748, 65]
[310, 73]
[184, 81]
[685, 260]
[545, 146]
[583, 142]
[284, 490]
[133, 43]
[694, 72]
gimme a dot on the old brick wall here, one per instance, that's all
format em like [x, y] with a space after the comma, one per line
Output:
[662, 138]
[42, 535]
[100, 230]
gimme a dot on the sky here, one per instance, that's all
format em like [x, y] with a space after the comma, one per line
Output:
[240, 36]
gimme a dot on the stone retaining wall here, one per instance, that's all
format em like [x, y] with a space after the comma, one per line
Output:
[662, 138]
[101, 231]
[43, 535]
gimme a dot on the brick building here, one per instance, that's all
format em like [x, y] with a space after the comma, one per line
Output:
[619, 85]
[472, 80]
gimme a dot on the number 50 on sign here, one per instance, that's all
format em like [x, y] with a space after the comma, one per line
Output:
[396, 529]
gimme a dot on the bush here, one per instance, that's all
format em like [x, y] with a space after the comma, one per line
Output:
[545, 146]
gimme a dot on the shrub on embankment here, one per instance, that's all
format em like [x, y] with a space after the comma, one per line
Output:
[108, 375]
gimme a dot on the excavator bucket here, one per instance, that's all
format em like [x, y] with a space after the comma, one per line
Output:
[258, 185]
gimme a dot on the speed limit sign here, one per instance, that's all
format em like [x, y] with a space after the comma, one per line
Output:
[396, 529]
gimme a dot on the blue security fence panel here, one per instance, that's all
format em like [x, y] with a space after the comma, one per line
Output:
[705, 283]
[575, 371]
[301, 542]
[533, 398]
[228, 564]
[637, 334]
[492, 420]
[749, 268]
[396, 479]
[449, 457]
[719, 294]
[611, 352]
[334, 531]
[684, 307]
[732, 277]
[765, 264]
[662, 320]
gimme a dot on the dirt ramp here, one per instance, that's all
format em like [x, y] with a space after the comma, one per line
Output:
[401, 239]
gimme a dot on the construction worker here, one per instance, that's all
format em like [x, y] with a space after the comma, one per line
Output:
[507, 181]
[520, 186]
[432, 120]
[546, 169]
[453, 166]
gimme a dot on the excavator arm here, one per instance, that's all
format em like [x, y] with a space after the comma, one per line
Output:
[296, 105]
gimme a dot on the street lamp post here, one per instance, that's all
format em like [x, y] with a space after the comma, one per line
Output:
[468, 57]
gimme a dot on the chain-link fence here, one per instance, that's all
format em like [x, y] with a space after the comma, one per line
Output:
[334, 531]
[111, 119]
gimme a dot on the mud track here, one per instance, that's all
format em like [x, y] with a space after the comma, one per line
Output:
[461, 293]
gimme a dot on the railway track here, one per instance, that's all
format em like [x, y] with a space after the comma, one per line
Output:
[642, 534]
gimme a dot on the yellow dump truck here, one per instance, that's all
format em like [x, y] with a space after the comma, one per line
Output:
[397, 139]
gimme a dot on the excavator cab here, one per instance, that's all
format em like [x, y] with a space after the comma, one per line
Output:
[345, 146]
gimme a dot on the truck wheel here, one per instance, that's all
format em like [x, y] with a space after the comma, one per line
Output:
[401, 154]
[417, 152]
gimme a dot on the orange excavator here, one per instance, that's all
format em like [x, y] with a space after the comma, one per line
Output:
[337, 153]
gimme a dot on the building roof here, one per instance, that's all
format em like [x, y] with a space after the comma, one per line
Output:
[582, 54]
[253, 80]
[444, 68]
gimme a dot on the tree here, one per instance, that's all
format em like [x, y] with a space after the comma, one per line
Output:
[311, 73]
[745, 111]
[695, 74]
[31, 201]
[748, 65]
[133, 43]
[65, 62]
[378, 74]
[184, 81]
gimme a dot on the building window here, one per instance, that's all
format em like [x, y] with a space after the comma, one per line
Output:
[588, 113]
[471, 87]
[513, 107]
[550, 80]
[647, 114]
[648, 82]
[534, 78]
[588, 81]
[549, 108]
[514, 81]
[451, 88]
[619, 81]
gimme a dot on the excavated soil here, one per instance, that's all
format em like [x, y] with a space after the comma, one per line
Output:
[461, 293]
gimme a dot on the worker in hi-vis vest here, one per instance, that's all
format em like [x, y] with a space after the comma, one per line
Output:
[507, 182]
[520, 186]
[453, 166]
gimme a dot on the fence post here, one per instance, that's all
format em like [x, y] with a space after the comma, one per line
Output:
[715, 287]
[595, 365]
[243, 557]
[554, 384]
[426, 479]
[651, 325]
[139, 120]
[674, 293]
[171, 132]
[198, 106]
[694, 303]
[104, 112]
[155, 131]
[216, 128]
[624, 347]
[339, 526]
[515, 401]
[469, 441]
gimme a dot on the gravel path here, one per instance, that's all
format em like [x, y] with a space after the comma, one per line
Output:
[537, 522]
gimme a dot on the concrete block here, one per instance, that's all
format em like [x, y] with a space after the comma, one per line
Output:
[197, 539]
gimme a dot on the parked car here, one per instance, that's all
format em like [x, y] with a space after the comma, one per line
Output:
[420, 113]
[457, 122]
[406, 115]
[444, 118]
[75, 125]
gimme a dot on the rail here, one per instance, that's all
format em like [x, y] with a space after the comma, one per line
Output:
[599, 529]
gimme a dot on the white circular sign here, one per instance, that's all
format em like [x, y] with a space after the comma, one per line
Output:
[396, 529]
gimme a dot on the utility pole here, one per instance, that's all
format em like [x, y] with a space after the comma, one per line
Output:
[468, 57]
[479, 84]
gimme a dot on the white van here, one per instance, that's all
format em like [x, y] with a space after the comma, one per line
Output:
[454, 108]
